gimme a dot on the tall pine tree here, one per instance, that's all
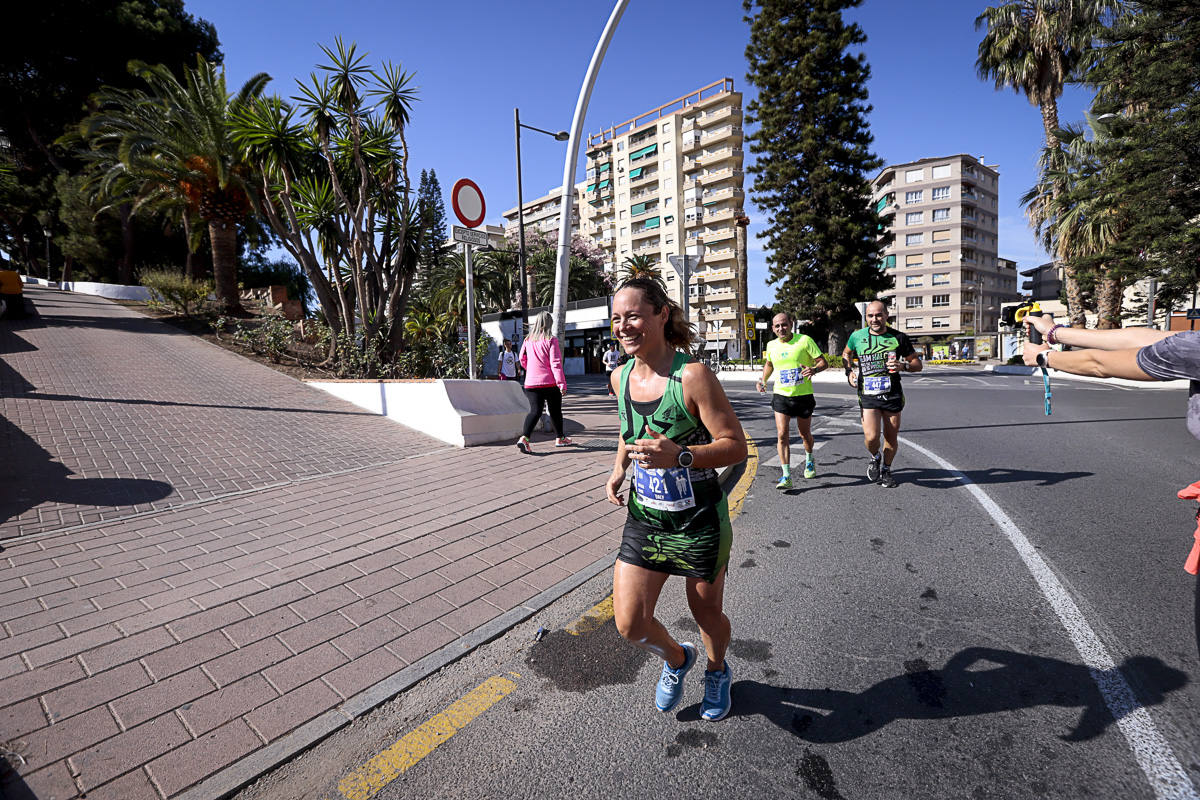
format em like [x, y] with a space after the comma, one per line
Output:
[432, 210]
[814, 158]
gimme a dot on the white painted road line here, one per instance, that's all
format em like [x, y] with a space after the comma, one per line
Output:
[1150, 748]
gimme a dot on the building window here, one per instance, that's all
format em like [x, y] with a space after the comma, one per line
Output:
[914, 175]
[914, 302]
[941, 171]
[911, 281]
[914, 322]
[913, 197]
[620, 146]
[942, 258]
[941, 193]
[968, 274]
[940, 300]
[941, 214]
[914, 260]
[914, 217]
[912, 239]
[622, 214]
[941, 236]
[941, 322]
[941, 279]
[666, 127]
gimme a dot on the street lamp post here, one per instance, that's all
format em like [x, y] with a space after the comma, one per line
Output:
[561, 136]
[46, 231]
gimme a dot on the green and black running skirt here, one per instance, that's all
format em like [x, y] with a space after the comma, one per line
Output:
[700, 551]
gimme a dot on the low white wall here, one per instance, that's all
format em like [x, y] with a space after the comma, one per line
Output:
[458, 412]
[113, 291]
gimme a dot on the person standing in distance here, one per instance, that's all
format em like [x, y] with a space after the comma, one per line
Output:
[882, 353]
[677, 428]
[545, 381]
[794, 358]
[506, 364]
[611, 357]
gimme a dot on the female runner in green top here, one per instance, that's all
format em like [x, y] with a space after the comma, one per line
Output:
[677, 428]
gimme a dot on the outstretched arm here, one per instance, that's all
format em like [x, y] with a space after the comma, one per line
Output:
[1115, 339]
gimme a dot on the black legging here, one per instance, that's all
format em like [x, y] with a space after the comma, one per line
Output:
[544, 396]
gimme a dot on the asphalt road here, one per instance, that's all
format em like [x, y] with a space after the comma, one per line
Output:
[886, 642]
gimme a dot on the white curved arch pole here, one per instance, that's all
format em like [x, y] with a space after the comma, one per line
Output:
[562, 270]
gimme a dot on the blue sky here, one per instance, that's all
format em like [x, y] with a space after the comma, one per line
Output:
[475, 60]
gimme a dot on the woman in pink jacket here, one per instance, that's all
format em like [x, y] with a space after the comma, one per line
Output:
[545, 381]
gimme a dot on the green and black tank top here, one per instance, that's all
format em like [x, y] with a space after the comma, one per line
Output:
[678, 499]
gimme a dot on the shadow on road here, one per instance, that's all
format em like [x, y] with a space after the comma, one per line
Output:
[977, 680]
[32, 477]
[945, 479]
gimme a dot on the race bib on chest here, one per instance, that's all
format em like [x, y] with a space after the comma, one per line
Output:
[664, 489]
[790, 377]
[877, 384]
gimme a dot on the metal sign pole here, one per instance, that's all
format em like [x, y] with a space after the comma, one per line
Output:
[470, 313]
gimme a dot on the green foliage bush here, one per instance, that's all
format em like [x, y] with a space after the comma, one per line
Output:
[173, 291]
[1015, 360]
[834, 362]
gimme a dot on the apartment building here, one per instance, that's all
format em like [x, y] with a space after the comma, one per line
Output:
[948, 278]
[670, 182]
[544, 214]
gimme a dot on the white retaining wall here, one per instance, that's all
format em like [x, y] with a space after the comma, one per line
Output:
[113, 291]
[459, 412]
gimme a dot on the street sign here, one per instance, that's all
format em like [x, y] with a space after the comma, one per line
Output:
[762, 326]
[467, 199]
[1193, 313]
[468, 236]
[749, 325]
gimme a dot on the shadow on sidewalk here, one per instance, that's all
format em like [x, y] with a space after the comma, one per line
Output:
[12, 787]
[32, 477]
[977, 680]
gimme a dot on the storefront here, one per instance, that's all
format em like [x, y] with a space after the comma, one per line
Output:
[586, 336]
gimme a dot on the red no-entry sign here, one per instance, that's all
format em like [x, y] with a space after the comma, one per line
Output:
[468, 203]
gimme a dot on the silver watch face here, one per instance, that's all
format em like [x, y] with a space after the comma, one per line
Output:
[685, 458]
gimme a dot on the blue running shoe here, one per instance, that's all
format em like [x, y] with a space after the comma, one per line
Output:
[670, 684]
[810, 468]
[716, 693]
[784, 483]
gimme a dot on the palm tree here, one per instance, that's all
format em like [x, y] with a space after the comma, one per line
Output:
[173, 146]
[1034, 47]
[641, 267]
[1078, 216]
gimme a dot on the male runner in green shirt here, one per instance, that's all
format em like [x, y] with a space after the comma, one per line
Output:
[797, 358]
[882, 353]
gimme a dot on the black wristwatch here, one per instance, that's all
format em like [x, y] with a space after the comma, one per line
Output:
[685, 458]
[1042, 360]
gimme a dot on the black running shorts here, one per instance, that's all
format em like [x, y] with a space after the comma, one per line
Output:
[802, 405]
[893, 404]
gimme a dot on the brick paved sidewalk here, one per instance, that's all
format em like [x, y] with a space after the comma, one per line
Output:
[206, 563]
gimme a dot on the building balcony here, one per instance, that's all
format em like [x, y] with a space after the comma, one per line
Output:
[719, 214]
[644, 178]
[720, 234]
[731, 132]
[720, 293]
[711, 316]
[690, 143]
[717, 156]
[693, 218]
[649, 247]
[714, 176]
[731, 113]
[712, 255]
[711, 275]
[643, 193]
[723, 334]
[716, 195]
[642, 233]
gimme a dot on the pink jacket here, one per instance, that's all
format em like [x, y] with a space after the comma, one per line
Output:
[542, 360]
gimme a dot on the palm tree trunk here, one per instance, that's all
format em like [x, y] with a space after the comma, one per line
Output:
[125, 265]
[223, 237]
[1111, 293]
[1049, 109]
[189, 267]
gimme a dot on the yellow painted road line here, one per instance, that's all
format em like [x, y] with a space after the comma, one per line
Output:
[595, 616]
[367, 780]
[737, 495]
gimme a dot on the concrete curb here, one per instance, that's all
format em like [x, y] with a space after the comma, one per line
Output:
[248, 769]
[1021, 369]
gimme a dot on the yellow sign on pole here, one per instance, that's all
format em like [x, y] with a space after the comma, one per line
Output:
[749, 323]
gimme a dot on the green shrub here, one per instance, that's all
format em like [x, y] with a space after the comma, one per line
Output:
[173, 291]
[834, 362]
[1015, 360]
